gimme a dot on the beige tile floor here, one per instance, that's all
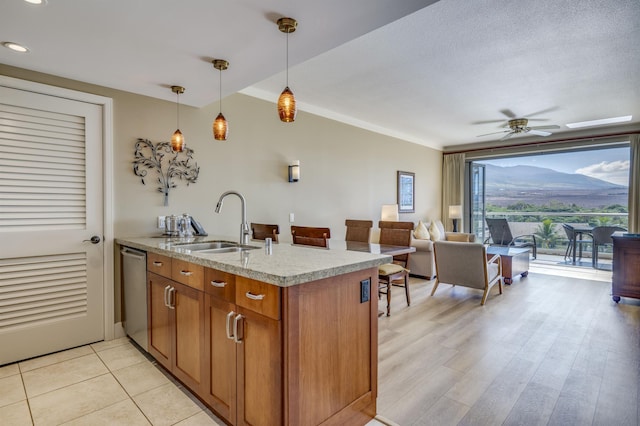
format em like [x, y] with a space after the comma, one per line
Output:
[107, 383]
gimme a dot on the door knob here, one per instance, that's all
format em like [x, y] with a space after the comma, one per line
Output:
[94, 240]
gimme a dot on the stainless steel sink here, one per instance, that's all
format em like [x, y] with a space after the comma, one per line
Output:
[214, 247]
[207, 245]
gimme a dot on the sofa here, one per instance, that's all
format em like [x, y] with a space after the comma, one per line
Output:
[422, 263]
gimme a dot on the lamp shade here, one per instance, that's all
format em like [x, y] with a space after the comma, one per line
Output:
[389, 213]
[287, 106]
[220, 128]
[177, 141]
[455, 212]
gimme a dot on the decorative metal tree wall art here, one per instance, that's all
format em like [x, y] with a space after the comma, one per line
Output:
[168, 164]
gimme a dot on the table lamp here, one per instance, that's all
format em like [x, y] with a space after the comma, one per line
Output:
[455, 213]
[389, 213]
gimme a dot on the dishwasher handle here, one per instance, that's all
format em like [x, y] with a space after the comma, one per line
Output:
[140, 255]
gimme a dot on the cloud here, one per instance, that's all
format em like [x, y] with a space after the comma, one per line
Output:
[611, 171]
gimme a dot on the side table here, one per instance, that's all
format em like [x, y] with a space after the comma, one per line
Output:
[515, 261]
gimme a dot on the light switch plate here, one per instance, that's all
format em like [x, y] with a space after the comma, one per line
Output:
[161, 220]
[291, 217]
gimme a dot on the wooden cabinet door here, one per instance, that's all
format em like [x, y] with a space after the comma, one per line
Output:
[220, 391]
[188, 338]
[159, 319]
[259, 379]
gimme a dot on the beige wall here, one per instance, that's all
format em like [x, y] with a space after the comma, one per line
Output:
[346, 172]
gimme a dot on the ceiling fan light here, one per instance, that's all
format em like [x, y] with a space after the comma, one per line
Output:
[177, 141]
[287, 106]
[220, 128]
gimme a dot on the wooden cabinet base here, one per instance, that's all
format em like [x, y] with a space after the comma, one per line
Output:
[308, 355]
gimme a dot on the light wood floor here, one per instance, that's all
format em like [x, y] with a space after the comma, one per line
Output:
[551, 350]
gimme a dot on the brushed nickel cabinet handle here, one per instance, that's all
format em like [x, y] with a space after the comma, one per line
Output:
[158, 264]
[166, 297]
[254, 296]
[236, 320]
[186, 273]
[229, 332]
[219, 284]
[172, 300]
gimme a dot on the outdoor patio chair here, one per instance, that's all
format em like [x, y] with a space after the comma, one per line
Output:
[601, 238]
[500, 235]
[578, 243]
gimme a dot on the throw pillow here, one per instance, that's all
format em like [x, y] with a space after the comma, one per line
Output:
[435, 232]
[421, 232]
[458, 237]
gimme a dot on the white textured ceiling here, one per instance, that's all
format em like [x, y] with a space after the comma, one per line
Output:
[425, 71]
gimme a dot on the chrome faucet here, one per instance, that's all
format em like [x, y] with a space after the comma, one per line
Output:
[244, 226]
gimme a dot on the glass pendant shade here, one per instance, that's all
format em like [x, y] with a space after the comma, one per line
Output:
[220, 128]
[177, 141]
[220, 125]
[287, 106]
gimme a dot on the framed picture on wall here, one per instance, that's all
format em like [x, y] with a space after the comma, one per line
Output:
[406, 192]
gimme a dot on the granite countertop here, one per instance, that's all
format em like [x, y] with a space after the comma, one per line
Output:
[286, 266]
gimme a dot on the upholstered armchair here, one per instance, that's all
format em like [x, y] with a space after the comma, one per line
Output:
[422, 263]
[466, 264]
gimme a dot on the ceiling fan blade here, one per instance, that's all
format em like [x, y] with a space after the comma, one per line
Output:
[508, 113]
[488, 122]
[539, 132]
[544, 111]
[545, 127]
[494, 133]
[538, 119]
[507, 136]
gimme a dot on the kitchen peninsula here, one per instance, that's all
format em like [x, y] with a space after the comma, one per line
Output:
[287, 338]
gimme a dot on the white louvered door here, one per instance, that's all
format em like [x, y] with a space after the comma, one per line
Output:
[51, 279]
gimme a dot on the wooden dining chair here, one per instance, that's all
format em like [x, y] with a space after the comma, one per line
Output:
[260, 231]
[309, 236]
[396, 273]
[358, 230]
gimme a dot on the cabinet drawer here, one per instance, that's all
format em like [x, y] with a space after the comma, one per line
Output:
[159, 264]
[258, 296]
[187, 273]
[220, 284]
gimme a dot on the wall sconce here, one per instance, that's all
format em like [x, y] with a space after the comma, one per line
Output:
[294, 171]
[177, 140]
[287, 102]
[455, 213]
[220, 126]
[389, 213]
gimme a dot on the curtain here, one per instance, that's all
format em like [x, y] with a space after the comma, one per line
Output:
[452, 187]
[634, 185]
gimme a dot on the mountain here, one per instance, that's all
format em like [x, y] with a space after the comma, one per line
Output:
[540, 178]
[539, 186]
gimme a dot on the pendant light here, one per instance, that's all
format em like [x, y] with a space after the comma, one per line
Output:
[177, 140]
[220, 126]
[287, 102]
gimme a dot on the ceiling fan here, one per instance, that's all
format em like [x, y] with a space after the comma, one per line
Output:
[520, 125]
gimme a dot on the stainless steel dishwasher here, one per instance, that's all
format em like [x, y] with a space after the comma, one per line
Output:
[134, 281]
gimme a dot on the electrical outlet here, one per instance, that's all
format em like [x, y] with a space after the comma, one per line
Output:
[161, 220]
[365, 289]
[291, 217]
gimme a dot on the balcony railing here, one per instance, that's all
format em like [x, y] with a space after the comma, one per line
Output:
[525, 223]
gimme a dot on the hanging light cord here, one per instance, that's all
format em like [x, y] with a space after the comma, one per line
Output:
[287, 58]
[220, 70]
[178, 108]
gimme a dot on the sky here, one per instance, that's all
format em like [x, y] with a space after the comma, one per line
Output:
[611, 165]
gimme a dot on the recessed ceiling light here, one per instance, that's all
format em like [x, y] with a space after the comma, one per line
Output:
[600, 122]
[15, 47]
[38, 2]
